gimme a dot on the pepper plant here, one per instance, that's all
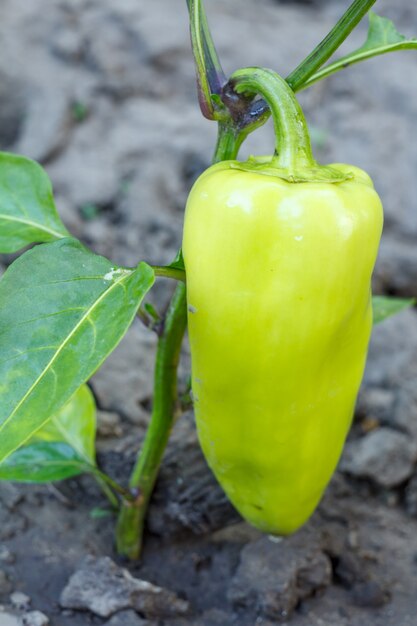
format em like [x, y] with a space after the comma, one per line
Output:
[291, 326]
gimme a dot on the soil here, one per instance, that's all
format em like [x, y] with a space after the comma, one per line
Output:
[103, 95]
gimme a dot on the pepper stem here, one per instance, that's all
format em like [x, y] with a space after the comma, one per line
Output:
[293, 159]
[292, 140]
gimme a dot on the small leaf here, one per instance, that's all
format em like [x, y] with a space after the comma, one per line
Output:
[382, 32]
[63, 448]
[178, 262]
[210, 75]
[382, 38]
[99, 513]
[75, 424]
[27, 210]
[63, 310]
[384, 307]
[152, 312]
[42, 462]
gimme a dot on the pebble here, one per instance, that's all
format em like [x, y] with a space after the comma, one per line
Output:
[35, 618]
[103, 588]
[20, 600]
[385, 456]
[128, 618]
[7, 619]
[272, 578]
[109, 424]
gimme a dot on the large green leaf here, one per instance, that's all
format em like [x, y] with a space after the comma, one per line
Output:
[27, 210]
[63, 448]
[63, 310]
[382, 38]
[385, 306]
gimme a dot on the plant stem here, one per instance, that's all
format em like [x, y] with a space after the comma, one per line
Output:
[229, 140]
[111, 497]
[169, 272]
[130, 524]
[132, 516]
[330, 43]
[210, 75]
[357, 57]
[292, 140]
[108, 484]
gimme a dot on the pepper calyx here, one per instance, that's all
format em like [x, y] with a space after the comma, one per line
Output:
[267, 166]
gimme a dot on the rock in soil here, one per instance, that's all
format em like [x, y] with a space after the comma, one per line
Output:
[213, 617]
[275, 576]
[108, 424]
[20, 600]
[103, 588]
[8, 619]
[385, 456]
[376, 403]
[35, 618]
[389, 391]
[128, 618]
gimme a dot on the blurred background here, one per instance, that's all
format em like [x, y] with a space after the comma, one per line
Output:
[103, 94]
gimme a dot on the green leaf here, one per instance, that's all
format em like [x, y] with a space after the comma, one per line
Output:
[385, 307]
[42, 462]
[381, 32]
[75, 424]
[100, 513]
[63, 448]
[178, 262]
[63, 310]
[152, 312]
[382, 38]
[210, 75]
[27, 210]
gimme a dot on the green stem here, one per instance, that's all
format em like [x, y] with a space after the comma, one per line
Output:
[357, 57]
[132, 516]
[111, 497]
[169, 272]
[229, 140]
[330, 43]
[107, 483]
[292, 140]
